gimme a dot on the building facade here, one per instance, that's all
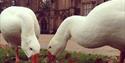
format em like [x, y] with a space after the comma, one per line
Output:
[58, 10]
[52, 12]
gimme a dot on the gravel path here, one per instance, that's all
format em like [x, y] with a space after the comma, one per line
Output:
[72, 46]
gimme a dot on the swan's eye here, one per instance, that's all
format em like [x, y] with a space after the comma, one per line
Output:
[30, 48]
[50, 47]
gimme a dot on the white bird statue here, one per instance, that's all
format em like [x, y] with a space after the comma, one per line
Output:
[104, 25]
[20, 28]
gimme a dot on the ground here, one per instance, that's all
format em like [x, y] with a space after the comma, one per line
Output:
[73, 46]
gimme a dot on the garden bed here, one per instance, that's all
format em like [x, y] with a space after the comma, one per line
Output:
[8, 56]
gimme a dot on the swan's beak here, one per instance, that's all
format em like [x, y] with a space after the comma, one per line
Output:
[35, 58]
[51, 58]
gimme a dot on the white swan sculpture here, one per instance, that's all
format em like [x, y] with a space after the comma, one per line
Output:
[104, 25]
[20, 28]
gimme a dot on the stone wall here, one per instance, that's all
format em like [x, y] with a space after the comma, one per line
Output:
[53, 12]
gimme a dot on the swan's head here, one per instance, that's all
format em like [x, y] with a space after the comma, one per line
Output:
[55, 48]
[31, 48]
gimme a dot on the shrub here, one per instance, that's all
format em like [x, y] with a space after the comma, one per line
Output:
[65, 57]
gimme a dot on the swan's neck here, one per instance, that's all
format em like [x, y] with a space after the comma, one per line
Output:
[27, 33]
[27, 27]
[62, 38]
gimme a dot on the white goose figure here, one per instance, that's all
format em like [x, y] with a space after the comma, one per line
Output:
[20, 28]
[104, 25]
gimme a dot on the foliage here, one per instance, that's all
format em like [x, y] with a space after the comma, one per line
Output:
[65, 57]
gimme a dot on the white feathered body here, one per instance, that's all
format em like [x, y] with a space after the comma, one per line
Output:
[104, 25]
[12, 20]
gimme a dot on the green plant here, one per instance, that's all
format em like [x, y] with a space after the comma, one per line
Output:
[2, 55]
[65, 57]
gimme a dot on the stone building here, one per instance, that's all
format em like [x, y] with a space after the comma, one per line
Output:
[58, 10]
[33, 4]
[52, 12]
